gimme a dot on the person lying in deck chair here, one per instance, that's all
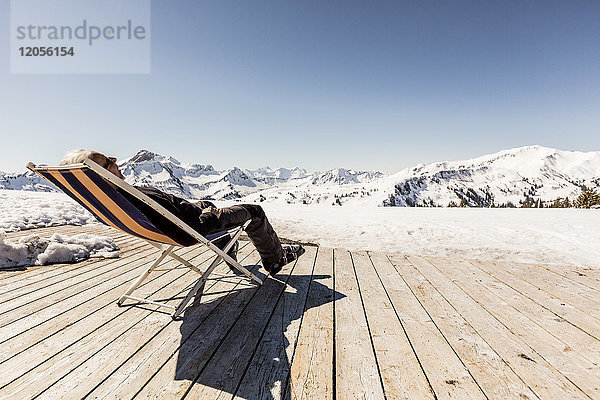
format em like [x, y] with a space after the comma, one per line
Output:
[204, 217]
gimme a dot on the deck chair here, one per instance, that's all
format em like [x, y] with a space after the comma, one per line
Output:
[88, 184]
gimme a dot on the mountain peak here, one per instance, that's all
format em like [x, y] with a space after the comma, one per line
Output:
[142, 155]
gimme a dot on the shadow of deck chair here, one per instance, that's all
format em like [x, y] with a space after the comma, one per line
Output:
[88, 184]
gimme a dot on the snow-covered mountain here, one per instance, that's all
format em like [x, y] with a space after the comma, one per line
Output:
[191, 181]
[25, 181]
[204, 182]
[341, 176]
[274, 176]
[508, 177]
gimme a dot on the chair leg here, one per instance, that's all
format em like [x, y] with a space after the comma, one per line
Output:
[198, 288]
[172, 255]
[223, 255]
[142, 277]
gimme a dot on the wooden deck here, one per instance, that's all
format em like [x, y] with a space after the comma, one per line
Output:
[335, 325]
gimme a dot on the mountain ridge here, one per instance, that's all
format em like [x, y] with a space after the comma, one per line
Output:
[505, 178]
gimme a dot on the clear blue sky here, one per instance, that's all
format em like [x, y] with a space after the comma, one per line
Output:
[322, 84]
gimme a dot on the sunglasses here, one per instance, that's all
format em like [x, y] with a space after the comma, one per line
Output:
[109, 161]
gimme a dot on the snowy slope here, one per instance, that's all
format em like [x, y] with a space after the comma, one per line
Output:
[21, 210]
[278, 175]
[203, 182]
[25, 181]
[192, 181]
[508, 177]
[516, 175]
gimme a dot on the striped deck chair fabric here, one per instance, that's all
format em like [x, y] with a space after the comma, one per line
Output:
[94, 188]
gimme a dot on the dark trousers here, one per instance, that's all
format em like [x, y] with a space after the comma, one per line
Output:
[259, 231]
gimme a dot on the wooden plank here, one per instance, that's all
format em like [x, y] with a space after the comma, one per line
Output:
[589, 281]
[576, 368]
[225, 369]
[574, 338]
[446, 373]
[160, 358]
[490, 370]
[563, 309]
[112, 357]
[357, 374]
[588, 300]
[43, 325]
[38, 274]
[591, 272]
[543, 378]
[200, 341]
[583, 275]
[402, 375]
[268, 372]
[47, 231]
[133, 321]
[23, 307]
[36, 283]
[311, 375]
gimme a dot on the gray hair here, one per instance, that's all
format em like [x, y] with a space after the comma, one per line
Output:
[76, 156]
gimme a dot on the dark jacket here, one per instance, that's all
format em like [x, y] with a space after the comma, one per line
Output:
[189, 213]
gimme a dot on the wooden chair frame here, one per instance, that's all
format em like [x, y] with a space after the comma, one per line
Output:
[167, 250]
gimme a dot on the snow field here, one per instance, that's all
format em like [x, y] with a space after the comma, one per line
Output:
[545, 236]
[21, 210]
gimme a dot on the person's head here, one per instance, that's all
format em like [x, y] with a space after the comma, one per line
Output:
[78, 156]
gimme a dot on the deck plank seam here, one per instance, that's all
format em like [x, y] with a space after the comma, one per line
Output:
[286, 387]
[509, 366]
[508, 329]
[538, 303]
[164, 327]
[334, 341]
[402, 325]
[88, 334]
[362, 302]
[438, 328]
